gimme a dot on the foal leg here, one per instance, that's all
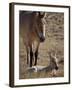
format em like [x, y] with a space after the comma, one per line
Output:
[28, 55]
[31, 56]
[36, 56]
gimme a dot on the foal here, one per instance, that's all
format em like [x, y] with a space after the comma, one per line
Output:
[32, 30]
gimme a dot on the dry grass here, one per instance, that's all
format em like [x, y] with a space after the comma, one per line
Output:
[54, 41]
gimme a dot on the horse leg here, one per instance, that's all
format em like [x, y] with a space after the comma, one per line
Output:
[31, 56]
[36, 56]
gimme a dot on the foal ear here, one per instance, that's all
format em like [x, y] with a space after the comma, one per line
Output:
[41, 14]
[36, 14]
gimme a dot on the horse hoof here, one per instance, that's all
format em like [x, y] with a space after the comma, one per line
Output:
[56, 68]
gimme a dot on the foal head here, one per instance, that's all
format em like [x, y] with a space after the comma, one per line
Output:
[40, 26]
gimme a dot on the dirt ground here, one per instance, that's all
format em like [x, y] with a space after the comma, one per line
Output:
[54, 40]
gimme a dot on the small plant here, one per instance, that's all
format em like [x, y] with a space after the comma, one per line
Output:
[53, 62]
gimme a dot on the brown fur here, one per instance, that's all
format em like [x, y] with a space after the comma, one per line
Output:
[31, 31]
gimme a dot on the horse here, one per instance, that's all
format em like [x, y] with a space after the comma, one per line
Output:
[32, 31]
